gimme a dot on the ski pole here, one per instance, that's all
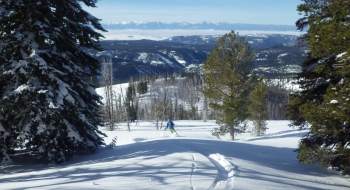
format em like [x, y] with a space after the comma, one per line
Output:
[177, 128]
[164, 132]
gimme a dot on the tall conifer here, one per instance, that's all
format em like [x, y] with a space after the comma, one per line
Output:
[228, 82]
[47, 105]
[323, 102]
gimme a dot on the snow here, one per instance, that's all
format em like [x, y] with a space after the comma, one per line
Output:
[71, 132]
[340, 55]
[142, 57]
[63, 89]
[117, 89]
[179, 60]
[22, 88]
[282, 55]
[41, 128]
[52, 105]
[145, 158]
[165, 59]
[333, 102]
[157, 63]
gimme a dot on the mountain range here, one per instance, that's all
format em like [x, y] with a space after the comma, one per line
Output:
[194, 26]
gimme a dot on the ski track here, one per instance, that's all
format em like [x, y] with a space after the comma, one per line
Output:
[226, 171]
[225, 168]
[150, 182]
[194, 165]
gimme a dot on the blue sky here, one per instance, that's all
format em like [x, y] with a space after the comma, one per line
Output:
[234, 11]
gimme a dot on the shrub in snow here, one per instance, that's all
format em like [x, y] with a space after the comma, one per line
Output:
[113, 143]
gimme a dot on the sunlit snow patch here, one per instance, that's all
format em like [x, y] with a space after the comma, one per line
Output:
[225, 171]
[221, 160]
[334, 102]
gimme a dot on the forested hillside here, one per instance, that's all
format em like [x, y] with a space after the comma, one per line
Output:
[178, 96]
[275, 55]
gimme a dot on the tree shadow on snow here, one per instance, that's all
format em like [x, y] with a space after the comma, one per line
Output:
[157, 161]
[131, 161]
[282, 134]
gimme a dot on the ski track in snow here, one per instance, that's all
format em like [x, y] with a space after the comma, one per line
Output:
[167, 161]
[194, 165]
[225, 168]
[226, 171]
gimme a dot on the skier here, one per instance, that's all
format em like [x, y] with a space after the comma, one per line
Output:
[170, 125]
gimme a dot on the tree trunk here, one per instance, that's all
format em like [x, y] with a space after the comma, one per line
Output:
[128, 124]
[232, 133]
[258, 131]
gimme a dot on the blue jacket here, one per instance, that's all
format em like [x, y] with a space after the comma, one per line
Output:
[170, 124]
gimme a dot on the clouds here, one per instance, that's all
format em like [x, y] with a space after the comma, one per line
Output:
[236, 11]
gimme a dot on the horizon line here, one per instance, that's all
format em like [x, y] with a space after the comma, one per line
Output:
[144, 22]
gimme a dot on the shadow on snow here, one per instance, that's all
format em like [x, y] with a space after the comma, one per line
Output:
[137, 159]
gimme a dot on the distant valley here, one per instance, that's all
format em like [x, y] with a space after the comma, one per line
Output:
[275, 55]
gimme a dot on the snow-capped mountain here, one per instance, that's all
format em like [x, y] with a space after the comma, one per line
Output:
[194, 26]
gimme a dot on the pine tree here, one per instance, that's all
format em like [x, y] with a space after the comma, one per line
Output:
[258, 108]
[227, 72]
[324, 98]
[48, 106]
[142, 87]
[130, 104]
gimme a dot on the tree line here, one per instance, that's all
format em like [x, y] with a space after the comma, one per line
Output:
[178, 96]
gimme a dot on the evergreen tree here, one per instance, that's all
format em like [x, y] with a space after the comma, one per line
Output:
[258, 108]
[324, 98]
[142, 87]
[182, 113]
[228, 77]
[47, 105]
[131, 106]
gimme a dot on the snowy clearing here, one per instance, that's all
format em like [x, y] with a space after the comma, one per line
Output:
[149, 159]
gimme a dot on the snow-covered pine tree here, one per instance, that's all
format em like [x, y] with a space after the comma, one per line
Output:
[323, 101]
[48, 106]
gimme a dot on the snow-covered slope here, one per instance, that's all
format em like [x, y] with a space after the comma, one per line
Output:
[145, 158]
